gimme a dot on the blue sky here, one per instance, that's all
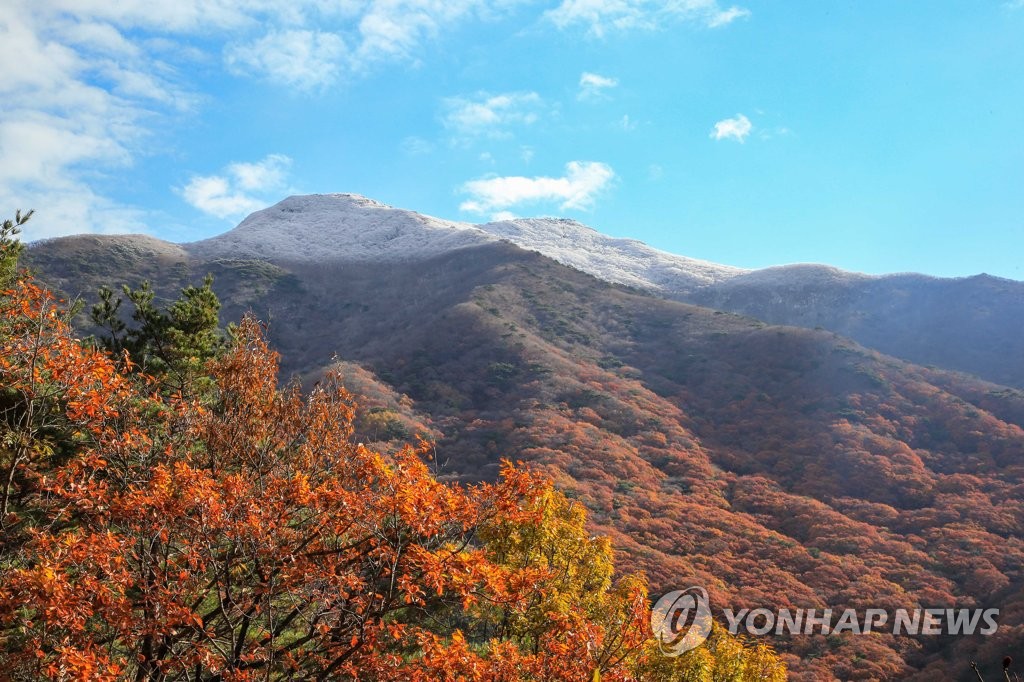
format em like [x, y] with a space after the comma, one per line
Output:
[875, 136]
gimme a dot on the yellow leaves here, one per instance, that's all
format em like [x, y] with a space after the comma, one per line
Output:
[192, 518]
[557, 541]
[722, 657]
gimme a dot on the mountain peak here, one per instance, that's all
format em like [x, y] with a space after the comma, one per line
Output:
[350, 227]
[339, 227]
[300, 202]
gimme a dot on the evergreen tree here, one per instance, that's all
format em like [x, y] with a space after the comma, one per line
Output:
[11, 247]
[172, 344]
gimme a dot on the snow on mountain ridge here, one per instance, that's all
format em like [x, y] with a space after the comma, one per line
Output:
[626, 261]
[354, 228]
[339, 227]
[351, 227]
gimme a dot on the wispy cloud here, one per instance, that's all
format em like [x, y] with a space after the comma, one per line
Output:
[395, 29]
[362, 35]
[301, 59]
[777, 131]
[726, 16]
[736, 128]
[77, 97]
[593, 86]
[89, 85]
[240, 189]
[603, 16]
[582, 183]
[491, 115]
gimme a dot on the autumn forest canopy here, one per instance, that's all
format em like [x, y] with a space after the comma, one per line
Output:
[170, 511]
[266, 460]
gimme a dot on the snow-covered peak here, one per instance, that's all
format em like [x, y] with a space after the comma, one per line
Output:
[350, 227]
[354, 228]
[339, 227]
[626, 261]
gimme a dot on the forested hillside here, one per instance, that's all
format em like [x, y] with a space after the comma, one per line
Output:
[169, 511]
[777, 466]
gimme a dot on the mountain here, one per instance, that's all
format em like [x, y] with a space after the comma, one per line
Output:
[776, 466]
[349, 227]
[624, 261]
[972, 324]
[339, 228]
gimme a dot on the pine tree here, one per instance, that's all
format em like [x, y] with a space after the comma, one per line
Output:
[172, 344]
[11, 247]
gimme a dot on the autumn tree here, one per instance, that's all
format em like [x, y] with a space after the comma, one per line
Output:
[722, 658]
[576, 571]
[239, 532]
[245, 538]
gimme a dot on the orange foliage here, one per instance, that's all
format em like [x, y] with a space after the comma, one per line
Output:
[244, 535]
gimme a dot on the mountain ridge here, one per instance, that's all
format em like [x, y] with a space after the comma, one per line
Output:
[972, 324]
[526, 232]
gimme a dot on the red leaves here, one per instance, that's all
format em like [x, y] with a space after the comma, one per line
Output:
[249, 537]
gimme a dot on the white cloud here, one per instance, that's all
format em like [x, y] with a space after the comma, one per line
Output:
[237, 191]
[735, 128]
[491, 115]
[263, 175]
[76, 98]
[394, 29]
[577, 189]
[89, 86]
[214, 195]
[727, 16]
[296, 58]
[593, 86]
[603, 16]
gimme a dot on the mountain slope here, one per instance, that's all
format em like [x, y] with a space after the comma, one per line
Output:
[971, 324]
[349, 227]
[775, 466]
[974, 325]
[623, 261]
